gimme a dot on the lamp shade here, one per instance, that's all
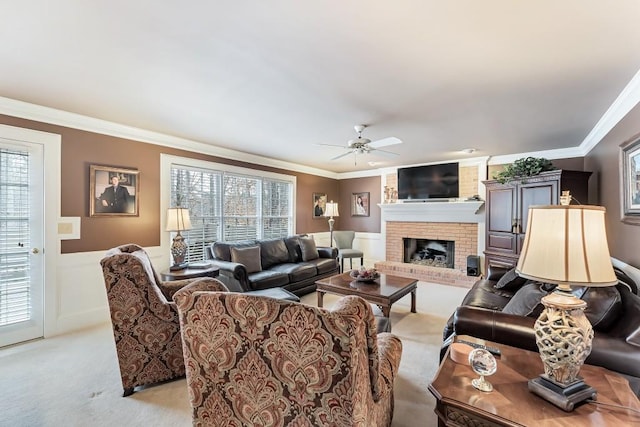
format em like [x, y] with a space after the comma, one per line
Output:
[331, 209]
[178, 219]
[566, 245]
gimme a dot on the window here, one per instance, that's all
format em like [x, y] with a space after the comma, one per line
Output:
[230, 204]
[15, 283]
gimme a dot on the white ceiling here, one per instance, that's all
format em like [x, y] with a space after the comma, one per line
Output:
[277, 78]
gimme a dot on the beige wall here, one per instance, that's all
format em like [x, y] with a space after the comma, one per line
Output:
[81, 149]
[603, 160]
[364, 224]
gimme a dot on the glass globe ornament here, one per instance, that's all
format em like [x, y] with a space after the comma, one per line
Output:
[484, 364]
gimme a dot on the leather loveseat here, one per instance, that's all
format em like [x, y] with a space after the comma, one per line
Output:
[293, 263]
[503, 308]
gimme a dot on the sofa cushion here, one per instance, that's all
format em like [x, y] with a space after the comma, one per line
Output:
[323, 265]
[268, 279]
[249, 257]
[483, 294]
[296, 272]
[272, 252]
[222, 250]
[604, 306]
[308, 248]
[511, 281]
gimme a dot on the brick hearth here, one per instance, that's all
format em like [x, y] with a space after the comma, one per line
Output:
[465, 236]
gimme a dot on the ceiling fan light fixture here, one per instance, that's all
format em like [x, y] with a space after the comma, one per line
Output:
[362, 145]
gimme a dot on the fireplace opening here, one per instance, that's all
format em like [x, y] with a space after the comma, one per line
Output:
[429, 252]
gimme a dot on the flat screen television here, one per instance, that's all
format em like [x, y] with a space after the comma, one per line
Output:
[428, 182]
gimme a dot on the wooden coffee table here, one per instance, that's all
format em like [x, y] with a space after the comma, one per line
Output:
[512, 404]
[385, 291]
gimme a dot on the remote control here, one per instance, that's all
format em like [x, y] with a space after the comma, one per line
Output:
[493, 350]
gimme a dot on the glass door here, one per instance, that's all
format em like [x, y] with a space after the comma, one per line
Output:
[21, 241]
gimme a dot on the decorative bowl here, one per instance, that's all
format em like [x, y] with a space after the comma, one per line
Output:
[368, 275]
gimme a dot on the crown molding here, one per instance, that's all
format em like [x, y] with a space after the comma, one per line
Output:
[624, 103]
[560, 153]
[39, 113]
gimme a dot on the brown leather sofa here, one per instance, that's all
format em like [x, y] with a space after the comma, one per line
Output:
[293, 263]
[503, 308]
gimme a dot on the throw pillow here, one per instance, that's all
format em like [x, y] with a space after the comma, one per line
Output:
[308, 249]
[293, 246]
[526, 302]
[604, 306]
[249, 257]
[510, 281]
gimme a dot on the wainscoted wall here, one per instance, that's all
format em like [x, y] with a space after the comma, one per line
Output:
[81, 295]
[75, 286]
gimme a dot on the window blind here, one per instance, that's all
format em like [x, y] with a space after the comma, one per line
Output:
[230, 207]
[15, 289]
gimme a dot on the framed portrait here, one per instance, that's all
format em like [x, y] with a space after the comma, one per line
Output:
[114, 191]
[319, 204]
[360, 204]
[630, 179]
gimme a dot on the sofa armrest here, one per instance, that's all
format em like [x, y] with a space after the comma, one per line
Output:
[495, 272]
[492, 325]
[233, 275]
[327, 252]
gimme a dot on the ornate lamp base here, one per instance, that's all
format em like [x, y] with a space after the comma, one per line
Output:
[178, 251]
[563, 396]
[563, 336]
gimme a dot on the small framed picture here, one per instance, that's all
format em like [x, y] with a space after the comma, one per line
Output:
[319, 204]
[360, 204]
[114, 191]
[630, 180]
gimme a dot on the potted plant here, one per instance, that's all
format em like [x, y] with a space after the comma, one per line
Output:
[523, 168]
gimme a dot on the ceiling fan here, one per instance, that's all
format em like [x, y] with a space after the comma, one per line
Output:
[362, 145]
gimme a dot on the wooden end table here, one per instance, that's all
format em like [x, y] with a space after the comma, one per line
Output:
[385, 291]
[511, 403]
[189, 273]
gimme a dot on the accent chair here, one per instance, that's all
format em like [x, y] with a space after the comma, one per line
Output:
[344, 243]
[145, 321]
[262, 361]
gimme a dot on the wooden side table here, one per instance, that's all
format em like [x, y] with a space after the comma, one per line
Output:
[511, 403]
[189, 273]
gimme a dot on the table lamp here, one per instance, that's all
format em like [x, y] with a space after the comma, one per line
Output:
[331, 210]
[178, 220]
[565, 245]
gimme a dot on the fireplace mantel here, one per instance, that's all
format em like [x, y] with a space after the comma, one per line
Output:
[459, 211]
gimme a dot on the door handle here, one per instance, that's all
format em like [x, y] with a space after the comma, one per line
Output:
[35, 251]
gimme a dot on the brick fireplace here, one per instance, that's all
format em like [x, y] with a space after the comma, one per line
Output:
[442, 222]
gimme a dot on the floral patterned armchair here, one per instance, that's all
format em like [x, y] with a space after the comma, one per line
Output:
[259, 361]
[145, 321]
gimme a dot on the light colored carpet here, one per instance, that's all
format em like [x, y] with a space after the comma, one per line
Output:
[73, 379]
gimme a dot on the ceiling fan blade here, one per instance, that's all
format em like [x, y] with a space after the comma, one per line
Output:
[392, 140]
[383, 152]
[341, 155]
[331, 145]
